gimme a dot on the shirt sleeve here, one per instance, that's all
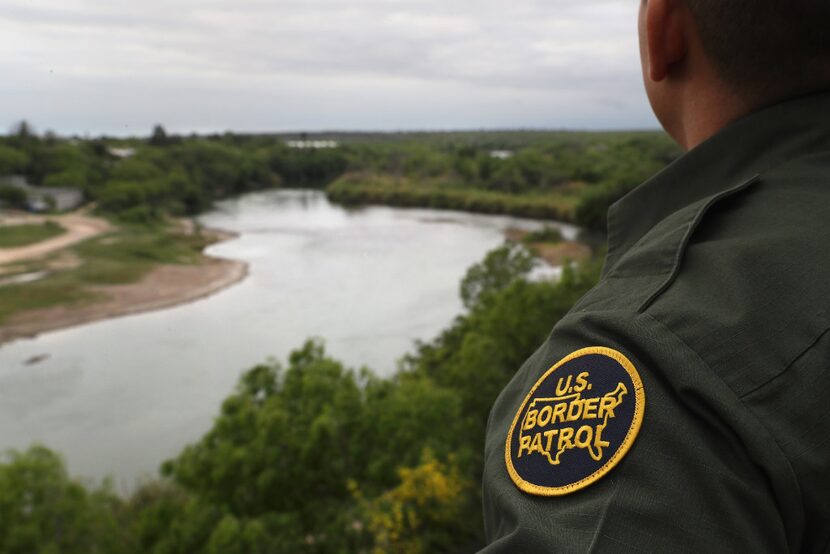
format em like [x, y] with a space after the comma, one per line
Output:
[702, 475]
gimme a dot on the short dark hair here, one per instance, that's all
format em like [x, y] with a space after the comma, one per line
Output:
[767, 43]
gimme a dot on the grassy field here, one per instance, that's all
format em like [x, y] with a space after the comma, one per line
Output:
[23, 235]
[120, 257]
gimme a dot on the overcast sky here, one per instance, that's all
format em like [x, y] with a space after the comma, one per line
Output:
[119, 66]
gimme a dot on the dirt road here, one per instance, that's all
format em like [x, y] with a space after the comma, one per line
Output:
[78, 227]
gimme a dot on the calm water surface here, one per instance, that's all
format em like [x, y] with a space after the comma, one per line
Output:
[118, 397]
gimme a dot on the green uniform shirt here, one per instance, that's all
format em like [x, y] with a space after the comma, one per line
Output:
[716, 290]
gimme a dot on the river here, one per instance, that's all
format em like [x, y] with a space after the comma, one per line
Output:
[118, 397]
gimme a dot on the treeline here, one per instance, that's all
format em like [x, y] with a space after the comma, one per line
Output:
[141, 181]
[566, 176]
[314, 457]
[571, 176]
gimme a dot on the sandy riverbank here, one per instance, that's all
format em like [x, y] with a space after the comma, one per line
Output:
[163, 287]
[555, 254]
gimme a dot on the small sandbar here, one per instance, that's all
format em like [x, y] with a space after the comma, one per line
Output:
[164, 286]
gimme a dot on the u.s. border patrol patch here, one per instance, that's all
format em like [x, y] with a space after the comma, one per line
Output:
[576, 424]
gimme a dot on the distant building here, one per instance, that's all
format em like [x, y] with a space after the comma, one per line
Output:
[501, 154]
[313, 144]
[42, 199]
[122, 153]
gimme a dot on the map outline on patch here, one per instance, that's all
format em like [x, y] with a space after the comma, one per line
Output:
[572, 454]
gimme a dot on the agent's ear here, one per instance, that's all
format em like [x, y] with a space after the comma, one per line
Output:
[666, 40]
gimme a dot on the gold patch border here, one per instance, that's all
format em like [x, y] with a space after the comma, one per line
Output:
[630, 437]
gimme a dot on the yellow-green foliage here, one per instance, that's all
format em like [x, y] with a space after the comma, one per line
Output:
[410, 518]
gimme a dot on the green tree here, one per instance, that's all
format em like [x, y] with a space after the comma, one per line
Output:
[312, 457]
[283, 445]
[43, 511]
[12, 197]
[23, 133]
[69, 178]
[12, 160]
[159, 136]
[499, 268]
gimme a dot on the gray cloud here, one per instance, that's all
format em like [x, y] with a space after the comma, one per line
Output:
[120, 66]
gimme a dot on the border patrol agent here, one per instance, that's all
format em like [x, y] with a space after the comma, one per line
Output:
[683, 404]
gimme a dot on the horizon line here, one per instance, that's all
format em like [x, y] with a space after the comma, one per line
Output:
[349, 131]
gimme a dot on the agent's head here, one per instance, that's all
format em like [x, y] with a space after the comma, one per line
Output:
[747, 53]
